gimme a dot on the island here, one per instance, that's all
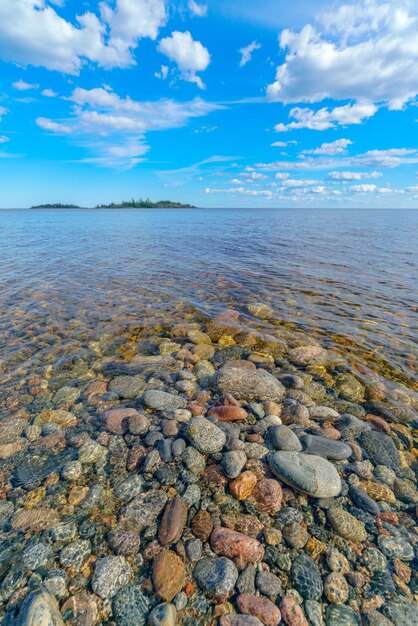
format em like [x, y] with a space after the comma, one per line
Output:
[146, 204]
[55, 206]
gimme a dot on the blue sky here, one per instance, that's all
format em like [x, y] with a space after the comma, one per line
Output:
[214, 102]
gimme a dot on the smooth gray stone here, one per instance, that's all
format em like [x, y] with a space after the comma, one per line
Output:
[327, 448]
[363, 500]
[283, 438]
[163, 401]
[245, 384]
[308, 473]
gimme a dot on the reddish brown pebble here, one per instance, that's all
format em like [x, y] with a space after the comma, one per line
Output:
[151, 550]
[215, 475]
[267, 496]
[173, 521]
[170, 428]
[229, 543]
[262, 608]
[242, 486]
[196, 409]
[228, 413]
[292, 613]
[116, 420]
[94, 392]
[168, 575]
[239, 620]
[202, 525]
[136, 456]
[81, 610]
[245, 524]
[253, 438]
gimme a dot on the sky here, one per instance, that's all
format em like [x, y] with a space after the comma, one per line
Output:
[224, 103]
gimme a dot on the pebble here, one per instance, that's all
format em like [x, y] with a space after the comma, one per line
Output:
[36, 555]
[249, 385]
[168, 575]
[242, 486]
[380, 449]
[267, 496]
[110, 574]
[117, 420]
[306, 577]
[205, 436]
[239, 620]
[127, 386]
[292, 613]
[173, 521]
[326, 448]
[346, 525]
[336, 588]
[262, 608]
[233, 462]
[232, 544]
[202, 525]
[268, 583]
[40, 609]
[339, 615]
[228, 413]
[295, 535]
[283, 438]
[307, 473]
[130, 607]
[123, 542]
[75, 554]
[164, 614]
[163, 401]
[217, 576]
[396, 548]
[246, 579]
[143, 510]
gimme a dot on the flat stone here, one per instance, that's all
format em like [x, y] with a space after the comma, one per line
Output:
[233, 463]
[242, 486]
[396, 548]
[173, 521]
[326, 448]
[340, 615]
[307, 473]
[346, 525]
[245, 524]
[116, 420]
[336, 588]
[143, 510]
[305, 355]
[292, 613]
[323, 413]
[263, 608]
[283, 438]
[268, 583]
[351, 426]
[40, 609]
[228, 413]
[363, 500]
[380, 449]
[232, 544]
[249, 385]
[127, 386]
[168, 575]
[306, 577]
[217, 576]
[202, 525]
[163, 401]
[110, 574]
[131, 606]
[205, 436]
[239, 620]
[123, 542]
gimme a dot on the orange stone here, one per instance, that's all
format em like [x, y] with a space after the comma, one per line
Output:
[242, 486]
[168, 575]
[228, 413]
[267, 496]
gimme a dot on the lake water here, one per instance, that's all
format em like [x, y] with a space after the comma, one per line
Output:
[98, 306]
[348, 278]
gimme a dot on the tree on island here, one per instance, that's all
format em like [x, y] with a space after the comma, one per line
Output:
[146, 204]
[55, 206]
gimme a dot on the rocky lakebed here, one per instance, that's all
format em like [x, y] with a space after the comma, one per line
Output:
[205, 472]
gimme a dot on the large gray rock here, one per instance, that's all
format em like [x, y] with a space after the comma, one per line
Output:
[283, 438]
[380, 449]
[40, 609]
[163, 401]
[216, 576]
[111, 573]
[249, 385]
[307, 473]
[205, 436]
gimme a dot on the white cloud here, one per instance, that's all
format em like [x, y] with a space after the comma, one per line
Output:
[246, 53]
[283, 144]
[189, 55]
[197, 9]
[49, 93]
[353, 175]
[163, 73]
[243, 191]
[281, 175]
[335, 147]
[326, 118]
[33, 33]
[364, 188]
[22, 85]
[389, 158]
[3, 111]
[298, 182]
[3, 139]
[54, 127]
[363, 51]
[253, 175]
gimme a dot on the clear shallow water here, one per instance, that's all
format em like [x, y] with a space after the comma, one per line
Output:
[349, 278]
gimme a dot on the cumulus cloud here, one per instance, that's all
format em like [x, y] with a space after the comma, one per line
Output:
[22, 85]
[198, 9]
[242, 191]
[353, 175]
[326, 118]
[189, 55]
[33, 33]
[362, 51]
[253, 175]
[283, 144]
[364, 188]
[298, 182]
[335, 147]
[54, 127]
[246, 53]
[163, 73]
[49, 93]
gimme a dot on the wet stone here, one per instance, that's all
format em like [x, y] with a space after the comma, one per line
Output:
[246, 579]
[217, 576]
[123, 542]
[339, 615]
[163, 401]
[130, 488]
[75, 554]
[295, 535]
[307, 473]
[143, 510]
[36, 555]
[283, 438]
[205, 436]
[168, 575]
[313, 612]
[131, 606]
[110, 574]
[346, 525]
[202, 525]
[336, 588]
[232, 544]
[193, 460]
[380, 449]
[396, 548]
[249, 385]
[263, 608]
[233, 463]
[401, 613]
[267, 496]
[40, 609]
[268, 583]
[292, 613]
[326, 448]
[164, 614]
[306, 577]
[127, 386]
[173, 521]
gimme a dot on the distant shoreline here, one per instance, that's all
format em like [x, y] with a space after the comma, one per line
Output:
[134, 204]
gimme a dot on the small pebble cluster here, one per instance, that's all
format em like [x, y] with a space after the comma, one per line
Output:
[216, 475]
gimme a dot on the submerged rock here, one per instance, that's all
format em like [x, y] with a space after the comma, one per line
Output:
[216, 576]
[40, 609]
[245, 384]
[310, 474]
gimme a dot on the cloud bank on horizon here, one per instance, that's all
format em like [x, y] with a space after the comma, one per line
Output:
[102, 100]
